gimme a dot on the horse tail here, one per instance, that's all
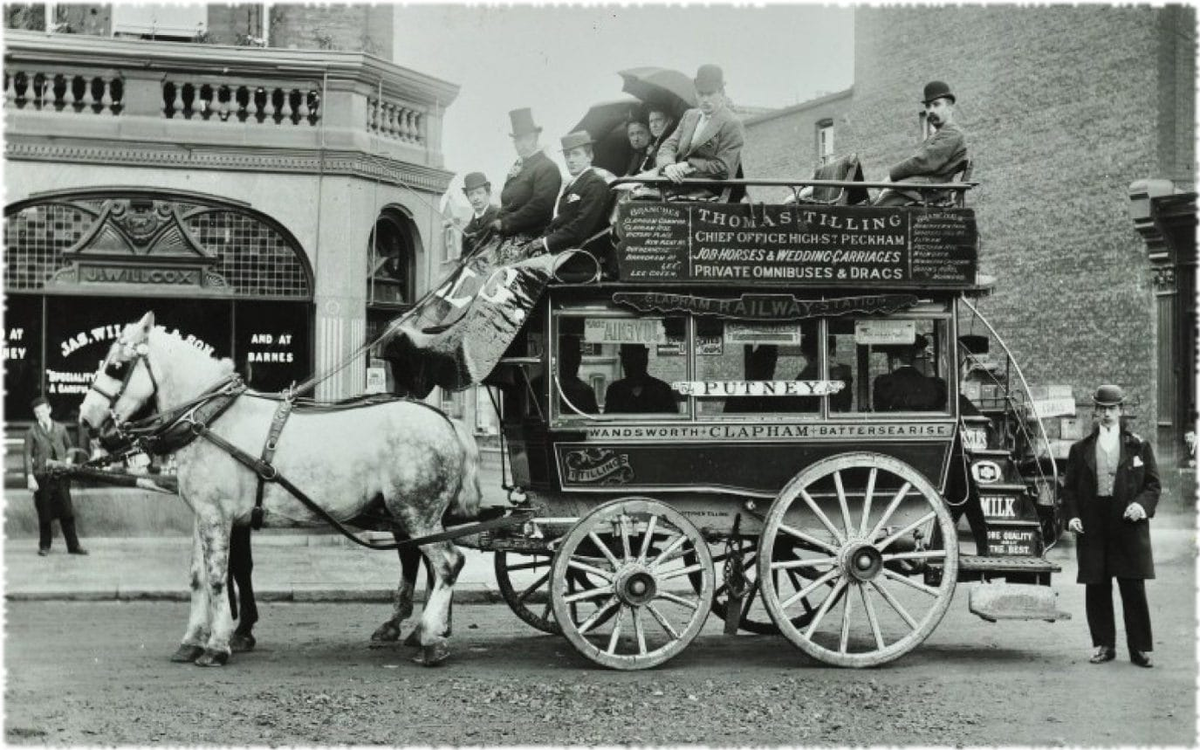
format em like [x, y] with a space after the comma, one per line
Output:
[466, 502]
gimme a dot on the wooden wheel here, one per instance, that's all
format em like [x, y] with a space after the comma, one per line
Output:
[863, 574]
[643, 612]
[754, 617]
[524, 583]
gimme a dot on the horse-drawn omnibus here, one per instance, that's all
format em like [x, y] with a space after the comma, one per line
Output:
[755, 411]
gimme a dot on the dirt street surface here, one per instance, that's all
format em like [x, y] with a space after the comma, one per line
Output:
[97, 674]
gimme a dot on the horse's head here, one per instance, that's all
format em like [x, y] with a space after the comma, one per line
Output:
[123, 385]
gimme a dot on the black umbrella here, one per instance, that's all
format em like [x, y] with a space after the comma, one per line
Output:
[662, 86]
[605, 122]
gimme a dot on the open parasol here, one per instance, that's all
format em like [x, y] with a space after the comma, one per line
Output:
[663, 86]
[605, 122]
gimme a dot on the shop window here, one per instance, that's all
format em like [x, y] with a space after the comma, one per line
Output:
[22, 355]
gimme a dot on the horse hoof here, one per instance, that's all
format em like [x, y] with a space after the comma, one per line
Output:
[433, 654]
[386, 632]
[186, 654]
[212, 659]
[414, 638]
[241, 642]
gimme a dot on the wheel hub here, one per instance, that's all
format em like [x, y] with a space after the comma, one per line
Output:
[635, 585]
[861, 561]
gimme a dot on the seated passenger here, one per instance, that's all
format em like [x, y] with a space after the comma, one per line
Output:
[581, 207]
[571, 388]
[843, 399]
[937, 159]
[479, 229]
[708, 142]
[638, 392]
[638, 133]
[662, 125]
[906, 388]
[759, 362]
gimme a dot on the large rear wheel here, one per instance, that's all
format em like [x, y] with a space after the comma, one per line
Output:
[869, 573]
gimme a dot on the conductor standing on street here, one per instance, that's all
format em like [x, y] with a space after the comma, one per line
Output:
[46, 448]
[1111, 491]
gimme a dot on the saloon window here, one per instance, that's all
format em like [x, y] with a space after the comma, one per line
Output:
[895, 364]
[750, 370]
[620, 367]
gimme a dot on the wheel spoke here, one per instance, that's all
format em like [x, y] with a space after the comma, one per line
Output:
[533, 587]
[588, 594]
[911, 583]
[784, 528]
[612, 559]
[919, 522]
[665, 555]
[753, 592]
[639, 630]
[646, 539]
[680, 572]
[825, 607]
[927, 554]
[590, 622]
[824, 519]
[810, 588]
[548, 610]
[867, 605]
[845, 624]
[529, 565]
[576, 565]
[623, 525]
[887, 596]
[615, 637]
[789, 564]
[895, 503]
[662, 621]
[866, 514]
[841, 495]
[677, 599]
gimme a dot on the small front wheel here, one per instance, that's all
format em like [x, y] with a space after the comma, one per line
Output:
[644, 557]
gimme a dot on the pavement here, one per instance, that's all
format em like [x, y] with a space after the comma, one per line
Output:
[325, 567]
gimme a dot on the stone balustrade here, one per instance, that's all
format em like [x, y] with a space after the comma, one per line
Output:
[294, 104]
[47, 89]
[391, 119]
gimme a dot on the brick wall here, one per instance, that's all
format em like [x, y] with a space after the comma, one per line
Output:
[359, 28]
[231, 24]
[1063, 108]
[784, 143]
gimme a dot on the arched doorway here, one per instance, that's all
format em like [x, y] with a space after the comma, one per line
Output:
[391, 283]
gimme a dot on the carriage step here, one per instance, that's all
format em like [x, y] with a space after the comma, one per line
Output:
[1015, 601]
[1001, 488]
[1001, 453]
[1003, 564]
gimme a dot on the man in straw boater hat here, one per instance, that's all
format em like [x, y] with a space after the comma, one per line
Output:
[579, 213]
[938, 157]
[708, 142]
[527, 199]
[1111, 490]
[479, 193]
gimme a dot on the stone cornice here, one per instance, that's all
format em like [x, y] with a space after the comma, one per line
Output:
[231, 159]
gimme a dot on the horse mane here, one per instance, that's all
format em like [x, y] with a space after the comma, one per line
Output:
[172, 343]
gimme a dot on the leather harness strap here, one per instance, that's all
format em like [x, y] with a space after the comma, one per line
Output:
[282, 412]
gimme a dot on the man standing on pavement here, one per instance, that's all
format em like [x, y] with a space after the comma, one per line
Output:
[708, 142]
[527, 200]
[47, 448]
[1111, 490]
[937, 159]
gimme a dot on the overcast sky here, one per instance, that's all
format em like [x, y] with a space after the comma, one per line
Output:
[559, 61]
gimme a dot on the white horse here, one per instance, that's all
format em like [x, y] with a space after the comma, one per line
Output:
[419, 462]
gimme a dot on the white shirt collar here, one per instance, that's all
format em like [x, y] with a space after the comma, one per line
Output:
[1108, 437]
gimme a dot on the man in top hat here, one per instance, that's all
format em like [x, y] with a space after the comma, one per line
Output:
[479, 229]
[708, 142]
[906, 388]
[1111, 490]
[580, 210]
[938, 158]
[527, 200]
[47, 447]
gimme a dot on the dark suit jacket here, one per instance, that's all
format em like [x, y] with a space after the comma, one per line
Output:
[581, 212]
[639, 161]
[907, 389]
[41, 445]
[477, 229]
[1109, 545]
[936, 160]
[527, 200]
[656, 398]
[716, 153]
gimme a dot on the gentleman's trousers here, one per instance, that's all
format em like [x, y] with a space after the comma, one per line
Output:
[53, 500]
[1137, 614]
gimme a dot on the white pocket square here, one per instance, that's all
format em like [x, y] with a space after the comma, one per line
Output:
[572, 198]
[1137, 461]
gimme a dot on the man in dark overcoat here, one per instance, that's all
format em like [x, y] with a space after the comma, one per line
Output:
[479, 229]
[47, 447]
[527, 200]
[580, 211]
[1111, 491]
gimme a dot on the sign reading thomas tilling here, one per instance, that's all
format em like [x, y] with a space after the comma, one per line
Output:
[821, 245]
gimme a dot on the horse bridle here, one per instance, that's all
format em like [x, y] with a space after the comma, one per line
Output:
[141, 356]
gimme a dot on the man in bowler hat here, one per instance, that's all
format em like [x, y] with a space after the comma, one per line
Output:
[1111, 490]
[938, 158]
[47, 447]
[527, 199]
[580, 211]
[479, 229]
[708, 142]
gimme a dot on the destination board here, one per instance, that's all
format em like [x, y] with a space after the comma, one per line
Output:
[723, 243]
